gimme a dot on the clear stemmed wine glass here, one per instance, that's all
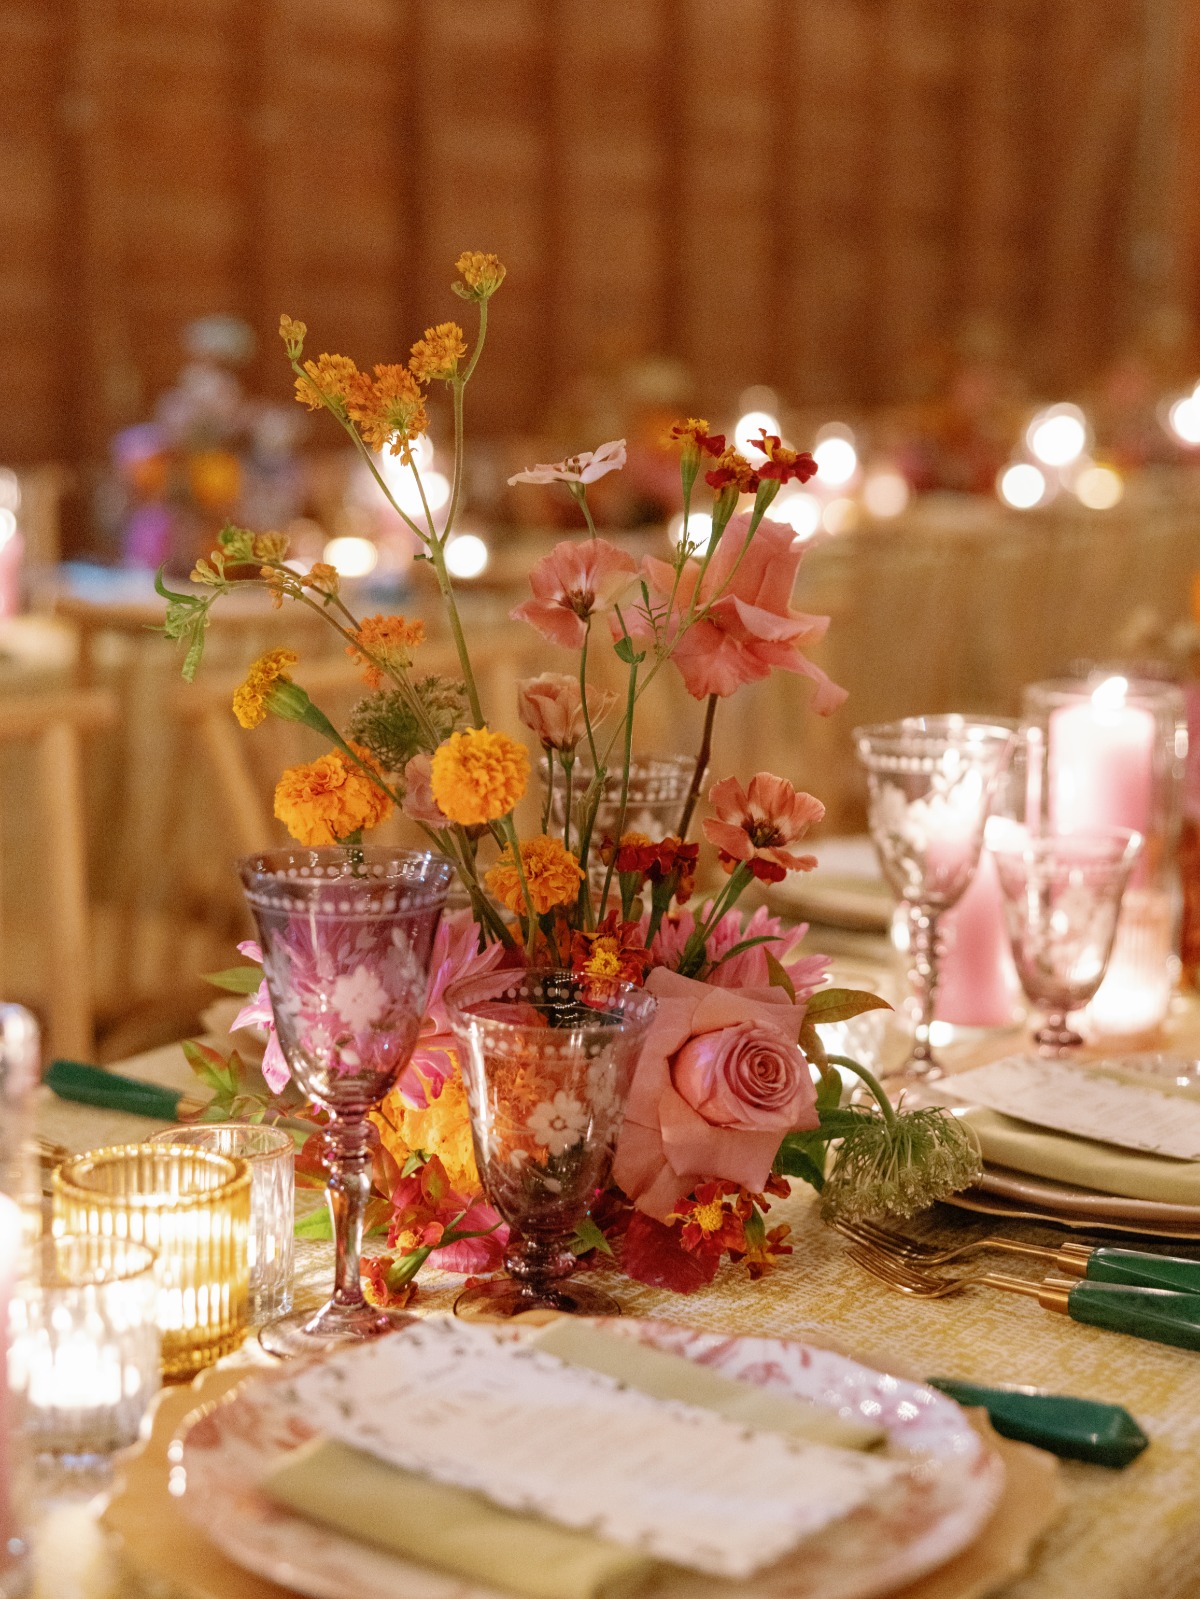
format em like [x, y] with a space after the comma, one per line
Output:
[347, 937]
[547, 1058]
[929, 781]
[1062, 896]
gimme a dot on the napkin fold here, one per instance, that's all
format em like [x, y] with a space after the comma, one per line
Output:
[1083, 1162]
[465, 1533]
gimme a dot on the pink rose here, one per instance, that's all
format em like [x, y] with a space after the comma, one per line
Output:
[551, 705]
[719, 1081]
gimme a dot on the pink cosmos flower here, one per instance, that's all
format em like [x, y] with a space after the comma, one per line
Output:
[720, 1079]
[748, 969]
[257, 1012]
[753, 825]
[585, 467]
[425, 1208]
[455, 954]
[751, 627]
[419, 803]
[573, 581]
[551, 706]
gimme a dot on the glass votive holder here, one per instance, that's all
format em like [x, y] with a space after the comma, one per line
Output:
[271, 1155]
[83, 1356]
[193, 1209]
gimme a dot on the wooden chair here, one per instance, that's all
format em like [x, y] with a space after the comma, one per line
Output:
[54, 726]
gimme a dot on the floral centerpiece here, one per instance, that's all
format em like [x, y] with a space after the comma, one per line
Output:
[732, 1094]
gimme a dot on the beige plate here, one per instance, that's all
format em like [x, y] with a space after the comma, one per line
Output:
[1012, 1194]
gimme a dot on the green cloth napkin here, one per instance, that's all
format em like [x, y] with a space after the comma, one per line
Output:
[464, 1533]
[1083, 1162]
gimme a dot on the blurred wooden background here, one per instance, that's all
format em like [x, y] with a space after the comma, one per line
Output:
[806, 193]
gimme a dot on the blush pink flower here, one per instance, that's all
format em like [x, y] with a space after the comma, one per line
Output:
[748, 627]
[419, 803]
[748, 968]
[585, 467]
[570, 584]
[753, 826]
[257, 1012]
[720, 1079]
[456, 954]
[551, 706]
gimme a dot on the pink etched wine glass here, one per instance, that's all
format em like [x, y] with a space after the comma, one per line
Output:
[547, 1058]
[347, 939]
[929, 784]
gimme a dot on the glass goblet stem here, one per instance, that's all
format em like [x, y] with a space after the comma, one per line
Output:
[923, 982]
[1055, 1037]
[348, 1160]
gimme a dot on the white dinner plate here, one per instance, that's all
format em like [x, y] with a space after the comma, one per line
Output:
[932, 1513]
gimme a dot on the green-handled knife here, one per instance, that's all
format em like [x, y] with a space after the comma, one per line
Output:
[1078, 1429]
[92, 1085]
[1130, 1266]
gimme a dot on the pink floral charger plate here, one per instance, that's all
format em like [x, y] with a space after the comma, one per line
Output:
[932, 1514]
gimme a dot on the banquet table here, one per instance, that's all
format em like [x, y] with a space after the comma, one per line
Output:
[1123, 1534]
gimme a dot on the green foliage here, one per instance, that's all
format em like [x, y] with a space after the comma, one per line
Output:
[803, 1154]
[386, 724]
[587, 1237]
[185, 622]
[898, 1166]
[236, 979]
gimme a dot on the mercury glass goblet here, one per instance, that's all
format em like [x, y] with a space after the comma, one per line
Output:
[347, 938]
[547, 1059]
[1062, 897]
[929, 783]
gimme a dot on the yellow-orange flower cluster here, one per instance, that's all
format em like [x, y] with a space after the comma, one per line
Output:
[270, 546]
[443, 1129]
[482, 273]
[331, 380]
[388, 408]
[249, 701]
[437, 355]
[551, 871]
[292, 333]
[322, 577]
[477, 776]
[384, 641]
[327, 799]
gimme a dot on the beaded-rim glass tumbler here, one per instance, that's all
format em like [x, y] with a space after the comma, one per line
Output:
[270, 1154]
[347, 939]
[84, 1356]
[547, 1059]
[929, 785]
[193, 1209]
[1062, 897]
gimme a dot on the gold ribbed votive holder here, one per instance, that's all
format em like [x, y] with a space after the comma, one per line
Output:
[192, 1207]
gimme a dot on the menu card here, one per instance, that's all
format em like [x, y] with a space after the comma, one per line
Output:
[460, 1404]
[1110, 1105]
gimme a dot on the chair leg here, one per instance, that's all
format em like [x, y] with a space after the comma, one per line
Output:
[251, 825]
[69, 1006]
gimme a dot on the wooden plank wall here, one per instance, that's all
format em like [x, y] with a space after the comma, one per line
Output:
[806, 193]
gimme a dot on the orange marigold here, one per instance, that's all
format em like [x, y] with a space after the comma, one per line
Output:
[443, 1129]
[732, 469]
[331, 380]
[481, 272]
[249, 701]
[327, 799]
[694, 435]
[551, 871]
[437, 355]
[384, 641]
[389, 408]
[478, 776]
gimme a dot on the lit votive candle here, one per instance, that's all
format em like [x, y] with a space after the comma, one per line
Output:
[270, 1154]
[977, 980]
[192, 1207]
[1101, 762]
[84, 1349]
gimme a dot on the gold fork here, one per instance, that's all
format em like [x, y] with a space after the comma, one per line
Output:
[907, 1279]
[1070, 1257]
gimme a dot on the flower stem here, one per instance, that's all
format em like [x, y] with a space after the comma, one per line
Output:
[872, 1082]
[630, 701]
[702, 760]
[549, 748]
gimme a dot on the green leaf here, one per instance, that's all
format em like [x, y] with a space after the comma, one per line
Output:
[624, 651]
[588, 1236]
[316, 1225]
[416, 1159]
[749, 943]
[840, 1004]
[236, 979]
[778, 978]
[797, 1159]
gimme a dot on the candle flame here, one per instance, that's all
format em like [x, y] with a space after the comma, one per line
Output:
[1111, 694]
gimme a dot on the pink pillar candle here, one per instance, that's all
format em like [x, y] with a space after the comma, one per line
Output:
[1101, 762]
[977, 981]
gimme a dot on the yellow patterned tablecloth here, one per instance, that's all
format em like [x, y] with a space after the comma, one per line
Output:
[1132, 1534]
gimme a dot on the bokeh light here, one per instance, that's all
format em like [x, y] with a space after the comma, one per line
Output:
[885, 493]
[1099, 487]
[466, 555]
[1058, 435]
[1022, 486]
[353, 557]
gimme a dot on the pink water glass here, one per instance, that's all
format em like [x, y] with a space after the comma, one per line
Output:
[347, 938]
[547, 1058]
[929, 787]
[1062, 897]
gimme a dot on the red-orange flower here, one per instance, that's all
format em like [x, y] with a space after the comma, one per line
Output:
[733, 471]
[782, 463]
[694, 434]
[711, 1225]
[753, 825]
[655, 862]
[614, 953]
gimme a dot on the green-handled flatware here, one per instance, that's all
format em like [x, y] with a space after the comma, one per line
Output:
[1077, 1429]
[92, 1085]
